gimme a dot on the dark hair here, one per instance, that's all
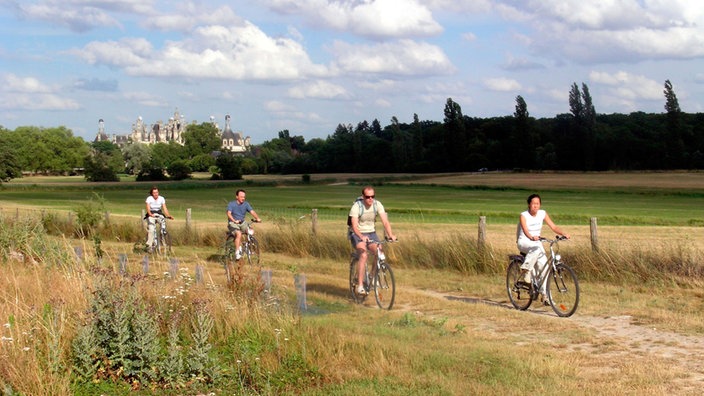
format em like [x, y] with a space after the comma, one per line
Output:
[239, 190]
[530, 198]
[152, 189]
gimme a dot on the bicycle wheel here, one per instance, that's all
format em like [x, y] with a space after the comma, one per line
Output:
[164, 244]
[563, 290]
[518, 292]
[354, 268]
[384, 286]
[252, 251]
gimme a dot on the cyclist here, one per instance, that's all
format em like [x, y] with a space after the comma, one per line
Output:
[236, 211]
[156, 207]
[362, 229]
[528, 236]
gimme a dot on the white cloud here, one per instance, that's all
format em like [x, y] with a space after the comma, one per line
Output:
[145, 99]
[469, 36]
[187, 16]
[370, 18]
[613, 31]
[502, 84]
[629, 86]
[234, 52]
[29, 93]
[318, 90]
[402, 57]
[77, 16]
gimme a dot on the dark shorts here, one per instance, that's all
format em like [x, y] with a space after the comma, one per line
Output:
[354, 239]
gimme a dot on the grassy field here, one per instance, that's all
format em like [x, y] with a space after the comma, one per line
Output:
[615, 199]
[451, 331]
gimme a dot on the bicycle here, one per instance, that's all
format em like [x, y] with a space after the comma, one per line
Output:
[162, 238]
[382, 278]
[250, 249]
[560, 282]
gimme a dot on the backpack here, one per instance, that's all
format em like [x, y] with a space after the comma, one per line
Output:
[360, 201]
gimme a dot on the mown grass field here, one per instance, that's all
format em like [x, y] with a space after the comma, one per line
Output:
[451, 331]
[657, 199]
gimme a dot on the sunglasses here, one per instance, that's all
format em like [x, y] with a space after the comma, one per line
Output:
[368, 196]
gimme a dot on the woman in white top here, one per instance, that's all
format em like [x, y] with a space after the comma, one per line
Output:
[528, 236]
[156, 207]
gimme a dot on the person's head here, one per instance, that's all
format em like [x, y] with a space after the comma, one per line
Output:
[368, 194]
[240, 195]
[154, 191]
[533, 203]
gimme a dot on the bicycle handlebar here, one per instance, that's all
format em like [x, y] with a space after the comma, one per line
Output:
[386, 240]
[557, 238]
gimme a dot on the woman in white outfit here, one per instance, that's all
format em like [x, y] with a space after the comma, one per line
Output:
[528, 236]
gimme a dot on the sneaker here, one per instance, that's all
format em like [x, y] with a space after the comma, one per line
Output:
[525, 276]
[361, 290]
[238, 255]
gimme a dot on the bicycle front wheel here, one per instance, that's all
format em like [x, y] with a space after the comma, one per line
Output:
[519, 292]
[384, 286]
[164, 245]
[563, 290]
[252, 251]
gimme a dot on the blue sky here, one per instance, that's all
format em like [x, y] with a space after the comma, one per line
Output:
[309, 65]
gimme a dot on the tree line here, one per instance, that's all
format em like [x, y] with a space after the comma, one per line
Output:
[580, 140]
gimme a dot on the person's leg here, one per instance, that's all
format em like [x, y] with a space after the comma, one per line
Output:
[151, 224]
[533, 250]
[362, 263]
[238, 241]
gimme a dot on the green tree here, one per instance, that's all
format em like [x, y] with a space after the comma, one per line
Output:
[137, 157]
[201, 139]
[164, 154]
[230, 166]
[456, 139]
[98, 168]
[179, 170]
[9, 164]
[674, 143]
[201, 163]
[111, 155]
[576, 105]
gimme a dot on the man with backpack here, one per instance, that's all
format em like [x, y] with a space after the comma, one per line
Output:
[362, 229]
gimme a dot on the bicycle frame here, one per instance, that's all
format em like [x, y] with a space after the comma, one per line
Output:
[159, 220]
[556, 281]
[248, 243]
[540, 278]
[378, 278]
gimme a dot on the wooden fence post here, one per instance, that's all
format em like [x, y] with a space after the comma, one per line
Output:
[107, 217]
[188, 218]
[593, 233]
[314, 221]
[481, 237]
[142, 219]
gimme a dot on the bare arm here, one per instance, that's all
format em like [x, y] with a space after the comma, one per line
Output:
[387, 226]
[254, 214]
[554, 227]
[166, 211]
[355, 228]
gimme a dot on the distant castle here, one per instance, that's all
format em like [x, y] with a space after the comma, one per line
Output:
[172, 131]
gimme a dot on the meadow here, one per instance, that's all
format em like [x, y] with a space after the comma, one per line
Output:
[451, 331]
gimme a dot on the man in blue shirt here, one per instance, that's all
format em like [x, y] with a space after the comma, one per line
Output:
[236, 211]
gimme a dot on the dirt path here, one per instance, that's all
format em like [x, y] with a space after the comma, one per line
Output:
[636, 339]
[613, 340]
